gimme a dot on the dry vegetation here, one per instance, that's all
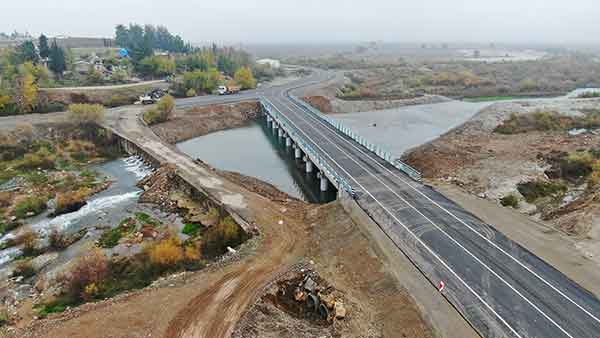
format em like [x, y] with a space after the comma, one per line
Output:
[406, 79]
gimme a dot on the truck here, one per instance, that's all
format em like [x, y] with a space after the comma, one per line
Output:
[227, 90]
[152, 96]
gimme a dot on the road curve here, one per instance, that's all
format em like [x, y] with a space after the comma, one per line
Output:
[501, 288]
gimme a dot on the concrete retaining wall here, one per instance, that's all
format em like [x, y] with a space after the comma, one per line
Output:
[131, 148]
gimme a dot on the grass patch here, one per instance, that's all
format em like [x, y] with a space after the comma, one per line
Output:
[146, 219]
[32, 206]
[534, 190]
[110, 238]
[191, 229]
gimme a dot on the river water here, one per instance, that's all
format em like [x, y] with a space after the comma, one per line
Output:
[106, 208]
[254, 150]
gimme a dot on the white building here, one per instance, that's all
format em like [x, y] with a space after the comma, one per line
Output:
[271, 62]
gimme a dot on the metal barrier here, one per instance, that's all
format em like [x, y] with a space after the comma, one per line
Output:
[317, 159]
[377, 150]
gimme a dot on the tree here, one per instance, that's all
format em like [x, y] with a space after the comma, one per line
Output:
[26, 52]
[244, 78]
[43, 46]
[166, 105]
[57, 63]
[27, 92]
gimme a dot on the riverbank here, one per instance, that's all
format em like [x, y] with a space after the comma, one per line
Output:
[199, 121]
[537, 157]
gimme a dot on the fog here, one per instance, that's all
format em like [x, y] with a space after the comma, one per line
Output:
[278, 21]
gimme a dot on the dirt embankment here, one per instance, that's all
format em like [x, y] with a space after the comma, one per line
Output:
[328, 104]
[544, 171]
[344, 259]
[199, 121]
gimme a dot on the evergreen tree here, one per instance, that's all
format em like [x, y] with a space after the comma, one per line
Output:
[43, 46]
[57, 62]
[26, 52]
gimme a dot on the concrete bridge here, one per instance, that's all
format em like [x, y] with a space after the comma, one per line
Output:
[500, 288]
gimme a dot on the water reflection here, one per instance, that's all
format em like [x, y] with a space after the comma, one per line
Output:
[254, 150]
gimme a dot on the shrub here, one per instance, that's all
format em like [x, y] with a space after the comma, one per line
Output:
[71, 201]
[24, 269]
[110, 238]
[4, 317]
[89, 269]
[152, 116]
[41, 159]
[190, 93]
[510, 200]
[58, 241]
[29, 240]
[31, 205]
[538, 189]
[50, 107]
[119, 100]
[83, 113]
[166, 105]
[167, 253]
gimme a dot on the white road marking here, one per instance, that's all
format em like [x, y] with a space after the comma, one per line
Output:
[406, 228]
[429, 220]
[457, 218]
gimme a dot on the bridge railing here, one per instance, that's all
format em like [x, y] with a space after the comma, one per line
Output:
[316, 157]
[379, 151]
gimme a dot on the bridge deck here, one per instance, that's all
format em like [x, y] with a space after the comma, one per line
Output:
[500, 287]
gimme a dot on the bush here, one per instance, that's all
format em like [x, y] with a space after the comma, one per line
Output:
[110, 238]
[190, 93]
[166, 105]
[41, 159]
[118, 100]
[83, 113]
[538, 189]
[153, 116]
[4, 317]
[50, 107]
[24, 269]
[168, 253]
[71, 201]
[91, 269]
[29, 240]
[31, 205]
[58, 241]
[510, 201]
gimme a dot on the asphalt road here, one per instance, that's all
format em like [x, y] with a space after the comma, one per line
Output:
[502, 289]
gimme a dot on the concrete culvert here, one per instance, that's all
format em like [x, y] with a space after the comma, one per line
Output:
[312, 302]
[323, 311]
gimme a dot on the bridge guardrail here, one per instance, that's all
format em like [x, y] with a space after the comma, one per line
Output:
[342, 183]
[386, 156]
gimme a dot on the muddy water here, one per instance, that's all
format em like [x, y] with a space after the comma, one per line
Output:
[255, 151]
[397, 130]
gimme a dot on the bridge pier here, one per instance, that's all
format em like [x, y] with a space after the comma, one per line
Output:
[280, 133]
[309, 167]
[298, 153]
[324, 182]
[288, 141]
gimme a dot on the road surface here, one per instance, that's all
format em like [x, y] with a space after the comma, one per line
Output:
[501, 288]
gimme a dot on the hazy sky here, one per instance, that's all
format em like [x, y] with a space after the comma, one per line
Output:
[249, 21]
